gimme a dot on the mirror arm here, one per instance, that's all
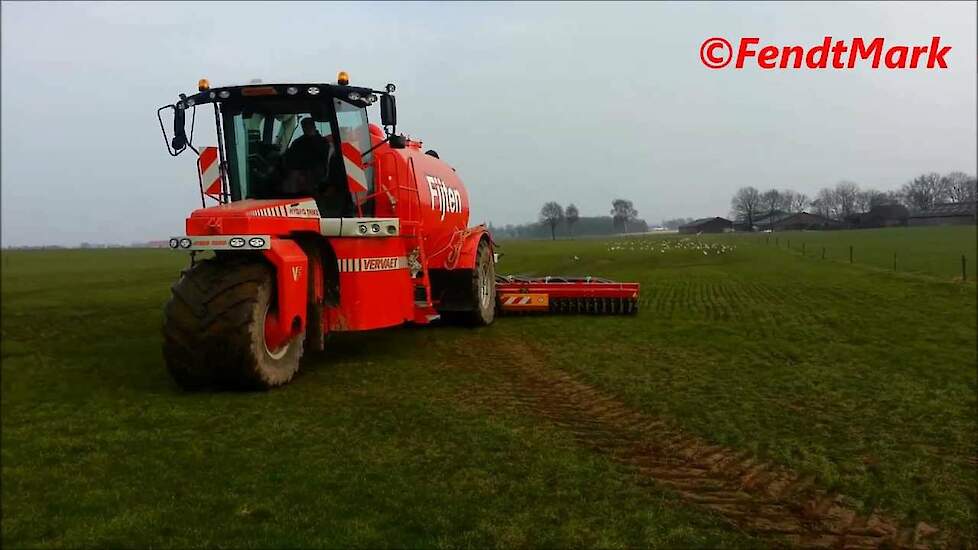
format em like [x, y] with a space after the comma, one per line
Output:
[371, 150]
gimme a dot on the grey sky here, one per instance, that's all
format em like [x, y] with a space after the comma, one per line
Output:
[533, 102]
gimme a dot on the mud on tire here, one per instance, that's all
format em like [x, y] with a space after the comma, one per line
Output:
[213, 327]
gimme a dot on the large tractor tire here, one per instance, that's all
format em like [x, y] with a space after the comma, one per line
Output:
[214, 328]
[483, 290]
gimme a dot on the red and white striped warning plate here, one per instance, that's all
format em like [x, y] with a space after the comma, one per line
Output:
[210, 172]
[356, 178]
[301, 209]
[525, 301]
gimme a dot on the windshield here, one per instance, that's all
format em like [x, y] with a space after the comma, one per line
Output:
[286, 149]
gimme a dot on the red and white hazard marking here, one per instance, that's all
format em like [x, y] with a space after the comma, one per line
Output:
[356, 178]
[525, 300]
[356, 265]
[272, 211]
[304, 209]
[210, 171]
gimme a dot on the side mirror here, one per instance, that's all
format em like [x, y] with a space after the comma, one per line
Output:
[388, 110]
[179, 140]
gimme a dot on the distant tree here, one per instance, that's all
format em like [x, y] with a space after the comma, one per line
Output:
[622, 212]
[923, 192]
[745, 205]
[960, 187]
[846, 198]
[824, 204]
[571, 215]
[676, 223]
[794, 201]
[771, 201]
[552, 214]
[871, 198]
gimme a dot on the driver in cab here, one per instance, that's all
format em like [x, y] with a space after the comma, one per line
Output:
[307, 161]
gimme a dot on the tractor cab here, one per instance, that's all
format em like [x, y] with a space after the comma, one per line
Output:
[287, 141]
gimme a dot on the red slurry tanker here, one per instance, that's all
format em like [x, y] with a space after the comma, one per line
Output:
[324, 222]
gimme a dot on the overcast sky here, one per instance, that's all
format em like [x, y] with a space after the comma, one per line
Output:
[570, 102]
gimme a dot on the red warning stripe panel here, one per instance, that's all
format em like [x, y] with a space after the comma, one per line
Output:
[524, 301]
[210, 171]
[356, 178]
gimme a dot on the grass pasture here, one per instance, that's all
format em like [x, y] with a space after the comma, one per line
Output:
[934, 251]
[536, 431]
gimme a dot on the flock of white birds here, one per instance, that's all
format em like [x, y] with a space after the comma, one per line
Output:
[662, 246]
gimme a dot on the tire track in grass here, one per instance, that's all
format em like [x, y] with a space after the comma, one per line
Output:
[763, 498]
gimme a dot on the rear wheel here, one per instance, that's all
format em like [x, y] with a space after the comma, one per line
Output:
[483, 287]
[218, 328]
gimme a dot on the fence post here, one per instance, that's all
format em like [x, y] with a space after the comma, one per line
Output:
[964, 272]
[850, 253]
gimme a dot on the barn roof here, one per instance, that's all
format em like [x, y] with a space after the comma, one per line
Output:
[947, 209]
[704, 221]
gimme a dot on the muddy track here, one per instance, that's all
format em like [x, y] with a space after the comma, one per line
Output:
[765, 499]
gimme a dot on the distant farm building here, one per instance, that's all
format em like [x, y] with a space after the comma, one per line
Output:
[884, 215]
[805, 221]
[761, 222]
[707, 225]
[784, 221]
[954, 213]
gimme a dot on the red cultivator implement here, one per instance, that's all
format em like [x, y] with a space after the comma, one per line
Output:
[592, 295]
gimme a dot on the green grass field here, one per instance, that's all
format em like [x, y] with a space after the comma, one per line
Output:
[934, 251]
[536, 431]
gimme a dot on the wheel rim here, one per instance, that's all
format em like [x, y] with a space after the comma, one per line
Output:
[485, 285]
[266, 321]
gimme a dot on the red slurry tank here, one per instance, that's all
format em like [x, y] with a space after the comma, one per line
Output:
[319, 221]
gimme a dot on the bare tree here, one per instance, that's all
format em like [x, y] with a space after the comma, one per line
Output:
[960, 187]
[825, 203]
[771, 201]
[846, 197]
[571, 215]
[622, 212]
[869, 199]
[745, 205]
[923, 192]
[675, 223]
[794, 201]
[551, 214]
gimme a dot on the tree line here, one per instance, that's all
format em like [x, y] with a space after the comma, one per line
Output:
[555, 219]
[847, 198]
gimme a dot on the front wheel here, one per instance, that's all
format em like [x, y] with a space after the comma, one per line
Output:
[217, 328]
